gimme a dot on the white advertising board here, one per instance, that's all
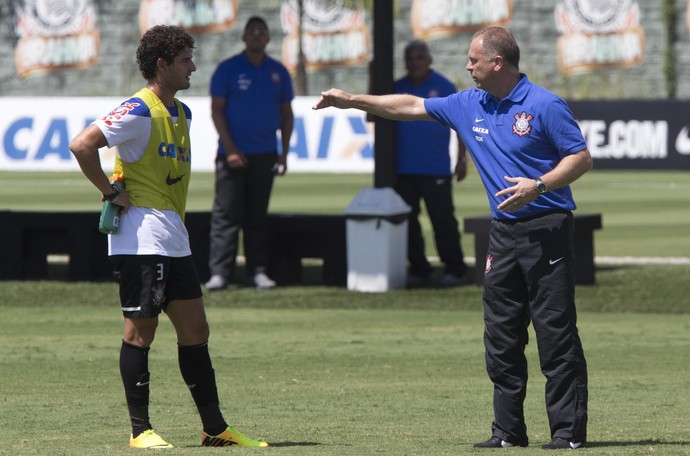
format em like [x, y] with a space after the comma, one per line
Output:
[35, 133]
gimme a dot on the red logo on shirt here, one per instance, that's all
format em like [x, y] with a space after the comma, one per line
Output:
[521, 127]
[119, 112]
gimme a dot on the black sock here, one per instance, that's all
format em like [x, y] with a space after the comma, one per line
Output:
[135, 378]
[197, 372]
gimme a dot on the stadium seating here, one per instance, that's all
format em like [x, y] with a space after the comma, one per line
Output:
[27, 238]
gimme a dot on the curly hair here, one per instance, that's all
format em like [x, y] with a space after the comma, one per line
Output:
[161, 41]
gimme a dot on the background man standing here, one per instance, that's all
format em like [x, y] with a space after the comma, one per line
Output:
[424, 173]
[251, 96]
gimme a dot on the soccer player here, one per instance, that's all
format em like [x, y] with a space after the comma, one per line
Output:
[150, 252]
[527, 148]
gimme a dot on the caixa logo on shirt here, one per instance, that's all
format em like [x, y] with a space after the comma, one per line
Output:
[167, 150]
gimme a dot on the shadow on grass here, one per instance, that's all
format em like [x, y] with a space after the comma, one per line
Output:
[279, 444]
[651, 442]
[615, 267]
[294, 444]
[312, 276]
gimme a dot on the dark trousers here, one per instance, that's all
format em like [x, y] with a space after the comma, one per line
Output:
[530, 276]
[437, 193]
[241, 202]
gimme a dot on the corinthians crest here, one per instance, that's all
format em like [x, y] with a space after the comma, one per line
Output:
[598, 34]
[55, 35]
[521, 127]
[333, 34]
[597, 16]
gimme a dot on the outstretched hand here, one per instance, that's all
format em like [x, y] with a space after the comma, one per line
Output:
[332, 97]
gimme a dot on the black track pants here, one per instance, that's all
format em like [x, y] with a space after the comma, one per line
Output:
[530, 276]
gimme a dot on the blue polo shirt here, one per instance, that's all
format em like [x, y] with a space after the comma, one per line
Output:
[254, 97]
[422, 146]
[526, 134]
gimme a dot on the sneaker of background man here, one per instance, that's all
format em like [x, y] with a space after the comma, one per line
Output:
[230, 437]
[216, 283]
[451, 280]
[262, 281]
[419, 281]
[561, 444]
[148, 439]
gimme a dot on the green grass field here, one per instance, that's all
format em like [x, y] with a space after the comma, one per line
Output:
[323, 371]
[366, 375]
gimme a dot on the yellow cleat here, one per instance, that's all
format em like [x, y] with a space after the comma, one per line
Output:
[148, 439]
[230, 437]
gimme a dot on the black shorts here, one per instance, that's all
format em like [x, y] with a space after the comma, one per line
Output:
[149, 282]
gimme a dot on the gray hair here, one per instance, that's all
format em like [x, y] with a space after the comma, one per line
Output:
[499, 41]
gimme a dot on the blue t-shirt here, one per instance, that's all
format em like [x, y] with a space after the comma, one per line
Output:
[422, 146]
[255, 95]
[526, 134]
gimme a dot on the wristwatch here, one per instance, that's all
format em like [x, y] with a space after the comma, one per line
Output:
[112, 196]
[541, 186]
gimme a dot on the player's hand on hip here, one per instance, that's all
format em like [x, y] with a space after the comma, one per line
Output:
[121, 200]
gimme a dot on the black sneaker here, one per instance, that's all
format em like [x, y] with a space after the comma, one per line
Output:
[451, 280]
[497, 442]
[419, 281]
[562, 444]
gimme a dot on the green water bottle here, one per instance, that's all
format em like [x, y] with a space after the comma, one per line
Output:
[110, 213]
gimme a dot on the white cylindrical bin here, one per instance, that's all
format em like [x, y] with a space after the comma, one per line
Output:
[376, 230]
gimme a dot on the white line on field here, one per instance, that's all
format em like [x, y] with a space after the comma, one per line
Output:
[53, 258]
[678, 261]
[641, 260]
